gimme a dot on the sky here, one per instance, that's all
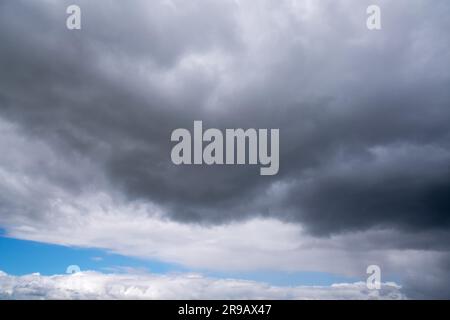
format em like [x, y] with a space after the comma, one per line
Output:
[86, 176]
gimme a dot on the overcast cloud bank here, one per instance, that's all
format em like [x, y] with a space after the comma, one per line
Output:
[86, 118]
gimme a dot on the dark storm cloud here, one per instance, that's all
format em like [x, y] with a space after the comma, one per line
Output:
[363, 116]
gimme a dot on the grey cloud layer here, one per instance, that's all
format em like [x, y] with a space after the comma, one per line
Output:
[363, 116]
[113, 92]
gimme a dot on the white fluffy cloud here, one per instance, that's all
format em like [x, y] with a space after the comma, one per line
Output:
[93, 285]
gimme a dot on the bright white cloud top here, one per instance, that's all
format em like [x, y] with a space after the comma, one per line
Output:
[94, 285]
[86, 118]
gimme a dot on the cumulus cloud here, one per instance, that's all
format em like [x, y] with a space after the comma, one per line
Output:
[94, 285]
[86, 117]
